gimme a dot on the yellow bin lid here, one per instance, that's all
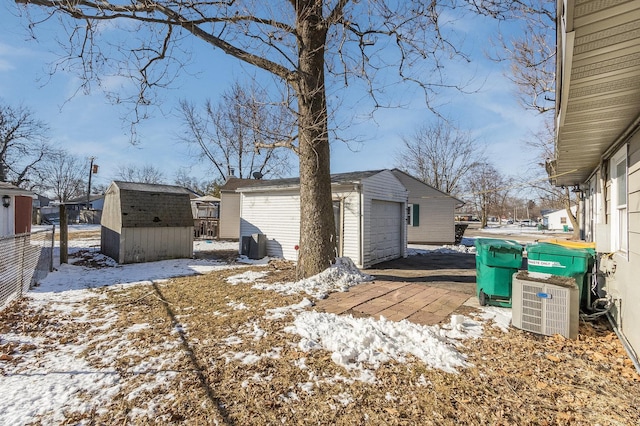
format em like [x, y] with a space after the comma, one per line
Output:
[570, 244]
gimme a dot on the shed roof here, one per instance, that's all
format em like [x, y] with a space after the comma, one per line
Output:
[150, 206]
[7, 188]
[338, 178]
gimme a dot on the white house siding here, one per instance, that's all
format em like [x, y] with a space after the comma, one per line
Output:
[436, 224]
[273, 214]
[229, 216]
[623, 284]
[351, 224]
[554, 220]
[383, 186]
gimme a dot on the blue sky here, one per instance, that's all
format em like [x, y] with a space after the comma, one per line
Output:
[88, 125]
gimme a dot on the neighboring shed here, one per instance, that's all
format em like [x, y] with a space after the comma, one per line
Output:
[431, 212]
[15, 209]
[146, 222]
[230, 207]
[369, 210]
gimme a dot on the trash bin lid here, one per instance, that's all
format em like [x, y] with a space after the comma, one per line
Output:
[559, 250]
[570, 244]
[496, 244]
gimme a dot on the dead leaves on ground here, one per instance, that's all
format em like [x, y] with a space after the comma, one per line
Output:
[177, 340]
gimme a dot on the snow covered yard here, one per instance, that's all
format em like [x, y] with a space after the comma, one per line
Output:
[205, 342]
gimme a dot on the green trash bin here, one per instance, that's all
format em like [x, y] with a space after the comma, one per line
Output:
[496, 262]
[556, 259]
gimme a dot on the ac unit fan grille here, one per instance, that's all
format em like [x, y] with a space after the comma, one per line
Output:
[545, 308]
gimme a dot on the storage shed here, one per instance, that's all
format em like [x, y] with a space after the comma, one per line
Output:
[16, 209]
[369, 209]
[146, 222]
[431, 212]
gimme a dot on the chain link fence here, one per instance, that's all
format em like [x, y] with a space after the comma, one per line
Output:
[25, 259]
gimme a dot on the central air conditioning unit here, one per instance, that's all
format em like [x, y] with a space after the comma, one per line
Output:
[545, 304]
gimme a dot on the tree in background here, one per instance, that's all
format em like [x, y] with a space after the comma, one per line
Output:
[63, 175]
[440, 155]
[239, 135]
[532, 58]
[306, 45]
[531, 54]
[488, 191]
[141, 174]
[204, 187]
[23, 145]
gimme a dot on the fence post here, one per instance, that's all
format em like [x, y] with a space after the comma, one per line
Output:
[53, 242]
[23, 243]
[64, 235]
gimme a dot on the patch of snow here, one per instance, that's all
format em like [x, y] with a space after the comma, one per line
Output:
[237, 306]
[338, 277]
[365, 343]
[279, 313]
[501, 316]
[246, 277]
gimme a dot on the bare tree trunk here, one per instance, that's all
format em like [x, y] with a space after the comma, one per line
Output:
[317, 229]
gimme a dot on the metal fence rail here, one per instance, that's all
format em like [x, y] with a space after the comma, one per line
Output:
[25, 259]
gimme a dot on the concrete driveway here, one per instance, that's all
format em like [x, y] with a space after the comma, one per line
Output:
[425, 289]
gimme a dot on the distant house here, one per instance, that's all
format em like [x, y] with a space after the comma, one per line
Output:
[16, 209]
[230, 206]
[431, 212]
[146, 222]
[205, 207]
[369, 210]
[81, 210]
[558, 219]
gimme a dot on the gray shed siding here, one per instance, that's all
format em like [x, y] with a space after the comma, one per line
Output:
[146, 223]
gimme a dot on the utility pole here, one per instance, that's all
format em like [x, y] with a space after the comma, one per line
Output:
[90, 174]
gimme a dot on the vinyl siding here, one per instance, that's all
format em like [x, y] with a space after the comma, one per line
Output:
[383, 186]
[275, 214]
[153, 244]
[437, 212]
[623, 284]
[351, 223]
[229, 216]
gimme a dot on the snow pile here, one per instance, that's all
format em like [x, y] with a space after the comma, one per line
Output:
[338, 277]
[366, 343]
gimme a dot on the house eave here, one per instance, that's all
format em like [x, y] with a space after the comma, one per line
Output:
[597, 90]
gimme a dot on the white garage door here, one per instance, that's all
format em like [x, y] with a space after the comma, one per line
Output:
[386, 231]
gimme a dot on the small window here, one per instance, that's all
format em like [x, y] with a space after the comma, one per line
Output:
[619, 220]
[563, 220]
[414, 214]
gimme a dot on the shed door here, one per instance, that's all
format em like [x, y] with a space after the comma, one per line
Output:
[386, 231]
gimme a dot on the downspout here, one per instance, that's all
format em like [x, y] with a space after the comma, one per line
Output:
[627, 347]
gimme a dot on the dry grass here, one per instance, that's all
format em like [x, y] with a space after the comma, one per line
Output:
[178, 366]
